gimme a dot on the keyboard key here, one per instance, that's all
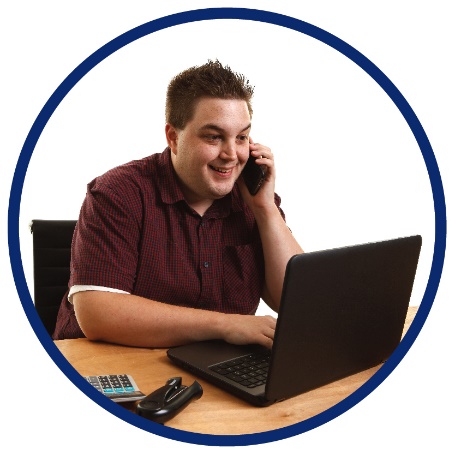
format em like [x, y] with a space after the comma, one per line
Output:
[250, 370]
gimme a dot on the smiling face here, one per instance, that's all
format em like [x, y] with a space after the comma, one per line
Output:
[210, 152]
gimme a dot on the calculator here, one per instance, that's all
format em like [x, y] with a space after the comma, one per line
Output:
[117, 387]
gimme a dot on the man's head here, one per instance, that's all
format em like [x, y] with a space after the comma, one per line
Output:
[211, 80]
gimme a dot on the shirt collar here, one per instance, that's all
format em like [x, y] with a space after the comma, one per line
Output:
[167, 179]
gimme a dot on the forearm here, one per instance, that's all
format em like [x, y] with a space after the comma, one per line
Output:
[135, 321]
[279, 245]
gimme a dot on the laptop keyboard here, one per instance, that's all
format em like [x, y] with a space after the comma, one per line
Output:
[250, 370]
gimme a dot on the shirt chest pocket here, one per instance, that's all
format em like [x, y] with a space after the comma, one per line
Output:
[243, 280]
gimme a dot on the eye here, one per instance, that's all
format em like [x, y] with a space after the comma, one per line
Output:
[242, 138]
[213, 137]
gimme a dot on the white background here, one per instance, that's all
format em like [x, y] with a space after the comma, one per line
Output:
[349, 171]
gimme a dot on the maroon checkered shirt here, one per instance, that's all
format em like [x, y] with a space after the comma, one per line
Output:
[136, 233]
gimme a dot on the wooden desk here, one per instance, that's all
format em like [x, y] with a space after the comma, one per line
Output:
[216, 412]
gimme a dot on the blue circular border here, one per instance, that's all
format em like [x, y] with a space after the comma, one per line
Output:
[274, 19]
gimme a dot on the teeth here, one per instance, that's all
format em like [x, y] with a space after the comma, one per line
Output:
[224, 171]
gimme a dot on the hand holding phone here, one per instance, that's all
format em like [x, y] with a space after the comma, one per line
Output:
[254, 175]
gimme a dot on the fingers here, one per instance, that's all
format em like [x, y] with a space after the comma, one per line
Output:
[259, 150]
[268, 332]
[245, 329]
[262, 154]
[266, 342]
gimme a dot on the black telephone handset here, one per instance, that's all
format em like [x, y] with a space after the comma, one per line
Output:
[254, 175]
[167, 401]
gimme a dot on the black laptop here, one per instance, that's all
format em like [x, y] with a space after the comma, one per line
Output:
[342, 311]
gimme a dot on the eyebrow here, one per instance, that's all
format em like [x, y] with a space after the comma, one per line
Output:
[211, 126]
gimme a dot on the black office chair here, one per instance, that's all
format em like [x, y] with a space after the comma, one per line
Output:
[51, 266]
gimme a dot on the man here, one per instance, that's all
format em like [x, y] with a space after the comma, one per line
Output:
[173, 248]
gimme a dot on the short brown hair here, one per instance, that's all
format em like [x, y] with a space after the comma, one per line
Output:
[211, 80]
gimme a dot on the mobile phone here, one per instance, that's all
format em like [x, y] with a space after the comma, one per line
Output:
[254, 175]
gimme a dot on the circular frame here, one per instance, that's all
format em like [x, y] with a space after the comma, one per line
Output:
[241, 14]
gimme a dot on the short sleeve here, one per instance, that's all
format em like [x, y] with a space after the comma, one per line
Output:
[107, 237]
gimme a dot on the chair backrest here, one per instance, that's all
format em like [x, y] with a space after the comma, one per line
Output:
[51, 266]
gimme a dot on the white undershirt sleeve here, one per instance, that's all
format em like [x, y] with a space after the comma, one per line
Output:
[87, 287]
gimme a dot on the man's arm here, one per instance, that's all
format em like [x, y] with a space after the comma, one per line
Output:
[135, 321]
[278, 243]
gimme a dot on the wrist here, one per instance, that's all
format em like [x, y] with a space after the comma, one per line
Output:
[265, 213]
[218, 326]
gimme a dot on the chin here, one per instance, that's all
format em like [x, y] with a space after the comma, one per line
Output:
[219, 193]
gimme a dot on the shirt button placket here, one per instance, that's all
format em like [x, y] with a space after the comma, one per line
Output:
[202, 241]
[207, 285]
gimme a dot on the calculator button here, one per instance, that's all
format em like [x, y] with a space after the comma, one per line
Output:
[117, 387]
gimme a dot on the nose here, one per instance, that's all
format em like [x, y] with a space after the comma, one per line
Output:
[229, 150]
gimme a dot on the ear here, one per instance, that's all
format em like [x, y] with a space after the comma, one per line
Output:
[171, 137]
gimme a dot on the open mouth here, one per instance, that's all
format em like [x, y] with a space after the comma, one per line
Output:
[220, 170]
